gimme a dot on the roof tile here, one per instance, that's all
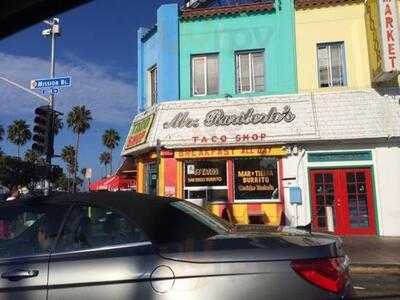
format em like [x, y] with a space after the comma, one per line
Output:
[195, 13]
[315, 3]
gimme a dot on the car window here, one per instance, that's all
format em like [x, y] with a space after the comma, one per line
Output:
[89, 227]
[180, 221]
[29, 229]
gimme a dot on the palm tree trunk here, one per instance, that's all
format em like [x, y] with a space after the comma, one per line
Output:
[76, 160]
[111, 168]
[18, 146]
[68, 184]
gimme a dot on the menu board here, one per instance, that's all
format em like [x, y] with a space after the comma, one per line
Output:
[256, 178]
[205, 173]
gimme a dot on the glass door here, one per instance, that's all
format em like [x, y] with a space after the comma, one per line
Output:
[358, 204]
[324, 200]
[342, 201]
[150, 179]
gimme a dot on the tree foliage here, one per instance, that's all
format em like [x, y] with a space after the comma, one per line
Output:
[111, 140]
[68, 156]
[78, 120]
[1, 132]
[19, 133]
[15, 172]
[33, 156]
[105, 159]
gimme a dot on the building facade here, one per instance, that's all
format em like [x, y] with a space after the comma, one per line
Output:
[284, 112]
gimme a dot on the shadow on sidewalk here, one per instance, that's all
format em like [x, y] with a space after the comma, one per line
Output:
[373, 251]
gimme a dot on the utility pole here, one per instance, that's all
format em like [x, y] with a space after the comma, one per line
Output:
[52, 32]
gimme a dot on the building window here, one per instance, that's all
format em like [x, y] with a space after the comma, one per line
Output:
[205, 75]
[331, 65]
[206, 181]
[250, 72]
[256, 178]
[152, 86]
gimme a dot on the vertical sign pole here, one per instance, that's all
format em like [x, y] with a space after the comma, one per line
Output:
[158, 151]
[49, 152]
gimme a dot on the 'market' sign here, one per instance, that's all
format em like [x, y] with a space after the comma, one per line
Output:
[388, 14]
[383, 38]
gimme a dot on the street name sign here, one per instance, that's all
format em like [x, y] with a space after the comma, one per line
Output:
[49, 83]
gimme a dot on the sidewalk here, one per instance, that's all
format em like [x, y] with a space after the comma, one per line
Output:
[373, 254]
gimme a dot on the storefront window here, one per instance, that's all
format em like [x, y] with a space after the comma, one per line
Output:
[256, 178]
[205, 180]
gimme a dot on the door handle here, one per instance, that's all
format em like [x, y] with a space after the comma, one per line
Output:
[18, 274]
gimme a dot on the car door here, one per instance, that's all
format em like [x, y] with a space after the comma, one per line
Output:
[100, 255]
[28, 231]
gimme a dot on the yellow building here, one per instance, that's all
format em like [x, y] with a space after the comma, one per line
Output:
[352, 28]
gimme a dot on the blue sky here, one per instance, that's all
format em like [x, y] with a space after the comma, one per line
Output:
[98, 49]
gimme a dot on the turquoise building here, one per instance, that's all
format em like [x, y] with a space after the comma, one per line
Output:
[256, 38]
[217, 51]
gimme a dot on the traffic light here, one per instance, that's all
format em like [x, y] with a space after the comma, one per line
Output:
[43, 131]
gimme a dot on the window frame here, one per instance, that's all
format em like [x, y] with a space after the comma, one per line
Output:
[279, 183]
[343, 61]
[189, 189]
[152, 91]
[204, 58]
[238, 71]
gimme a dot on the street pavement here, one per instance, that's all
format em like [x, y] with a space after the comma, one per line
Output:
[373, 251]
[375, 266]
[376, 286]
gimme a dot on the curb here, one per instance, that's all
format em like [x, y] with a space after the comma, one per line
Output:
[393, 269]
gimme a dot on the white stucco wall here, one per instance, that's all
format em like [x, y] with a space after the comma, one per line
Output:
[386, 182]
[387, 172]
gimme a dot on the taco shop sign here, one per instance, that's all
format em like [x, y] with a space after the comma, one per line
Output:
[139, 132]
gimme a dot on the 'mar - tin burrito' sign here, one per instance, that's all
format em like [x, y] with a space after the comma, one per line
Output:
[139, 132]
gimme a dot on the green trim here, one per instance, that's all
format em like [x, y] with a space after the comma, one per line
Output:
[340, 156]
[375, 192]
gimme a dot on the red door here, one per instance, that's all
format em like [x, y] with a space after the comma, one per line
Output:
[342, 201]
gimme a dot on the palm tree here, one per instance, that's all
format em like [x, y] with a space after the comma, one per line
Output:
[111, 140]
[68, 156]
[19, 134]
[58, 124]
[1, 137]
[105, 159]
[79, 121]
[1, 132]
[32, 156]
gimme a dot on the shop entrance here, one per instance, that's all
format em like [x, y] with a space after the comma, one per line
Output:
[342, 201]
[150, 179]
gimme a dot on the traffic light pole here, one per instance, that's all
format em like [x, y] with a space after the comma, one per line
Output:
[49, 155]
[54, 32]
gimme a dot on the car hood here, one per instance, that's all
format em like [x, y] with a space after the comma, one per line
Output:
[254, 246]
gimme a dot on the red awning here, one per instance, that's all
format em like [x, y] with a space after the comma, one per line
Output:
[113, 183]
